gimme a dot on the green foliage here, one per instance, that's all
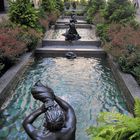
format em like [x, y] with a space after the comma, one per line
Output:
[125, 66]
[134, 24]
[98, 19]
[60, 5]
[1, 67]
[90, 14]
[48, 5]
[136, 72]
[119, 11]
[94, 7]
[67, 5]
[29, 39]
[137, 108]
[52, 5]
[101, 31]
[116, 126]
[23, 13]
[130, 62]
[83, 2]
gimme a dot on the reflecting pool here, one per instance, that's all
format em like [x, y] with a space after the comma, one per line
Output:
[85, 83]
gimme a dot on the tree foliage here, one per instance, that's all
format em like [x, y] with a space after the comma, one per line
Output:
[94, 7]
[52, 5]
[119, 11]
[23, 13]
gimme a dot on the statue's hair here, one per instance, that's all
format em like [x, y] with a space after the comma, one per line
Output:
[55, 118]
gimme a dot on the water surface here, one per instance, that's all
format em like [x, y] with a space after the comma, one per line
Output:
[85, 83]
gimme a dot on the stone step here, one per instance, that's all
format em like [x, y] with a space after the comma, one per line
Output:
[63, 26]
[72, 47]
[67, 20]
[77, 17]
[60, 52]
[52, 42]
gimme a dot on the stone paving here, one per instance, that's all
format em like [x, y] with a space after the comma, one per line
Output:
[3, 16]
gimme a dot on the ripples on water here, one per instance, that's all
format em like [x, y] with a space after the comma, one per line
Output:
[86, 83]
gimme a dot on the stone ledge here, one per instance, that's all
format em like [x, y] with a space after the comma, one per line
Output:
[77, 17]
[63, 26]
[50, 42]
[127, 83]
[11, 77]
[57, 52]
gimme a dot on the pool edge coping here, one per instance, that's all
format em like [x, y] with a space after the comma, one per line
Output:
[11, 77]
[127, 84]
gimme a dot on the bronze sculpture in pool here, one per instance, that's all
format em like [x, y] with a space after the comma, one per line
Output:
[71, 34]
[60, 119]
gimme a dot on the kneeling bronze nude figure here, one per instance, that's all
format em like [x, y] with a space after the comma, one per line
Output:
[60, 119]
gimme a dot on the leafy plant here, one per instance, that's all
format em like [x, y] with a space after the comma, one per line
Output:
[60, 5]
[67, 5]
[23, 13]
[48, 5]
[116, 126]
[30, 37]
[101, 31]
[119, 11]
[136, 72]
[98, 19]
[94, 7]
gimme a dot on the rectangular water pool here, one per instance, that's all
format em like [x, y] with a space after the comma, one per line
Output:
[85, 83]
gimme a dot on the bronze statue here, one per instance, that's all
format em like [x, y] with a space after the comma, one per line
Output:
[70, 55]
[72, 33]
[60, 119]
[73, 18]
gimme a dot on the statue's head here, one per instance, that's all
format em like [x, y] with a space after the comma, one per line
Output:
[55, 118]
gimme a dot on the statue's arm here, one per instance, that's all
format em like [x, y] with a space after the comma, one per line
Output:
[70, 114]
[27, 123]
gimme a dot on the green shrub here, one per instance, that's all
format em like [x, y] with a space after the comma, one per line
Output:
[48, 5]
[23, 13]
[30, 37]
[119, 11]
[67, 5]
[101, 31]
[98, 19]
[83, 2]
[60, 5]
[90, 15]
[116, 126]
[94, 7]
[124, 64]
[136, 73]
